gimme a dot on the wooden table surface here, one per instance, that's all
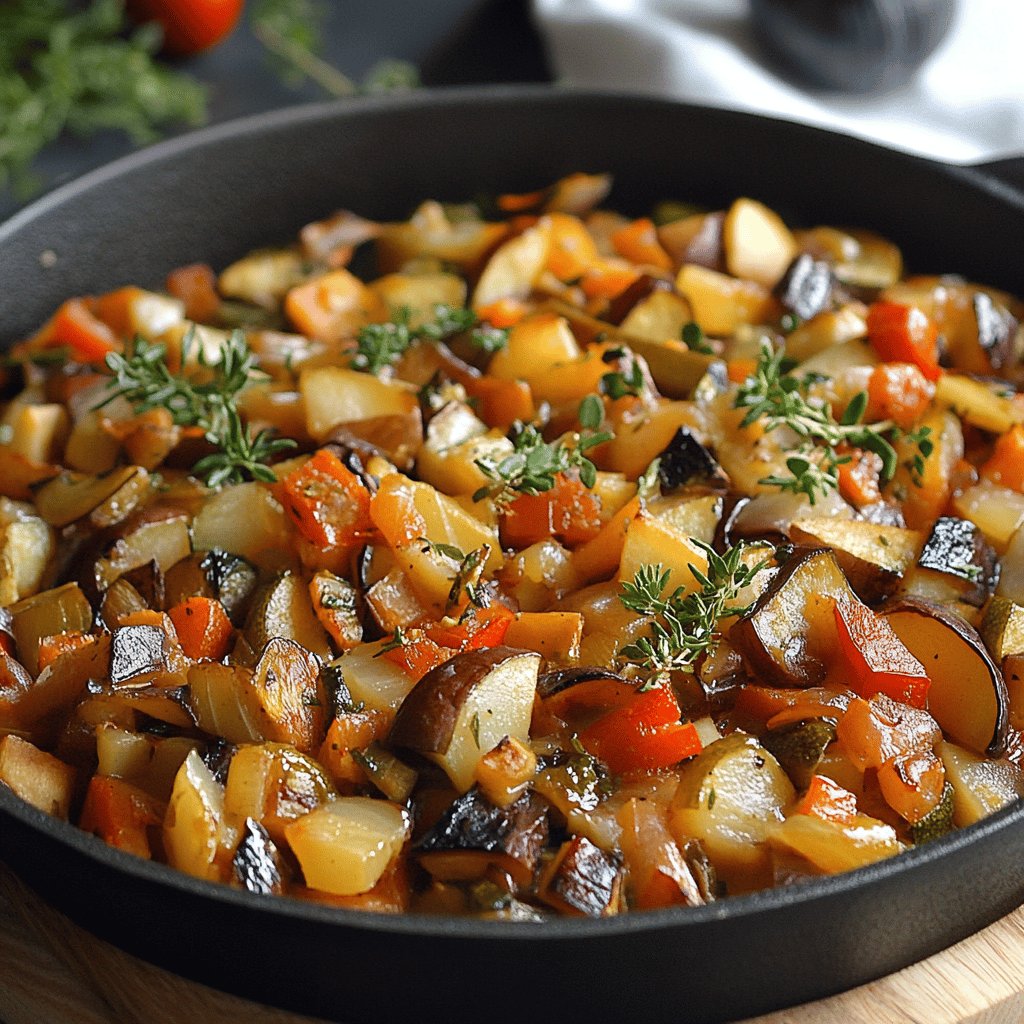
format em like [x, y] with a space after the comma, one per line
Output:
[55, 973]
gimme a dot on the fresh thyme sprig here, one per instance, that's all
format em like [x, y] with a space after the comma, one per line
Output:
[535, 463]
[776, 398]
[145, 380]
[626, 381]
[382, 345]
[468, 575]
[685, 625]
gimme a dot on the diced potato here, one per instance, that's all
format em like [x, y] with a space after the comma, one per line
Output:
[504, 772]
[90, 448]
[721, 303]
[61, 610]
[540, 573]
[996, 511]
[639, 439]
[404, 510]
[832, 846]
[39, 432]
[758, 245]
[419, 294]
[821, 332]
[37, 777]
[262, 277]
[274, 784]
[727, 797]
[27, 545]
[614, 491]
[688, 516]
[536, 347]
[195, 820]
[649, 542]
[394, 603]
[977, 403]
[874, 557]
[454, 470]
[244, 520]
[514, 268]
[980, 786]
[344, 847]
[374, 681]
[150, 762]
[333, 395]
[554, 635]
[662, 314]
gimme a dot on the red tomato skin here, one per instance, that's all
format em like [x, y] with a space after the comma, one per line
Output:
[190, 26]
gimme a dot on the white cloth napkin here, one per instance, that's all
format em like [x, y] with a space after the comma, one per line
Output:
[966, 103]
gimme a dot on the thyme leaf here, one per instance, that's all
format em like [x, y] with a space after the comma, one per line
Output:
[685, 626]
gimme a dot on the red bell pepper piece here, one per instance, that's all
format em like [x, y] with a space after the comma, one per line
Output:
[828, 800]
[876, 659]
[642, 735]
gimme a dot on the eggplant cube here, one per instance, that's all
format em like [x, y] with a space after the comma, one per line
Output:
[474, 836]
[583, 880]
[462, 709]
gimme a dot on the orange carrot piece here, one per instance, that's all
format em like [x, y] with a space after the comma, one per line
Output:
[520, 202]
[121, 814]
[52, 647]
[899, 392]
[572, 249]
[1005, 466]
[638, 242]
[505, 312]
[327, 502]
[740, 369]
[859, 478]
[605, 280]
[203, 627]
[196, 286]
[78, 327]
[599, 557]
[904, 334]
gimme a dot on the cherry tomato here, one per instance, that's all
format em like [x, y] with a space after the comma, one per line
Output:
[189, 25]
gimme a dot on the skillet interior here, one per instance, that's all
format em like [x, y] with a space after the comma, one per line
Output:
[218, 193]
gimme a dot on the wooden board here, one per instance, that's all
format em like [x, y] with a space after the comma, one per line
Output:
[65, 976]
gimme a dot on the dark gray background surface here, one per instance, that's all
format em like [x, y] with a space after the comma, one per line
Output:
[451, 42]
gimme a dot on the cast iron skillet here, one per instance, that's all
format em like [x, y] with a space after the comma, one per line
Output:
[214, 195]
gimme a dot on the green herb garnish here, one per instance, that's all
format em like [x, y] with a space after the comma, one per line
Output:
[382, 345]
[776, 398]
[145, 380]
[65, 67]
[535, 463]
[628, 381]
[685, 625]
[693, 338]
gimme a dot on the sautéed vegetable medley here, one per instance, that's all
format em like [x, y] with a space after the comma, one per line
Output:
[519, 559]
